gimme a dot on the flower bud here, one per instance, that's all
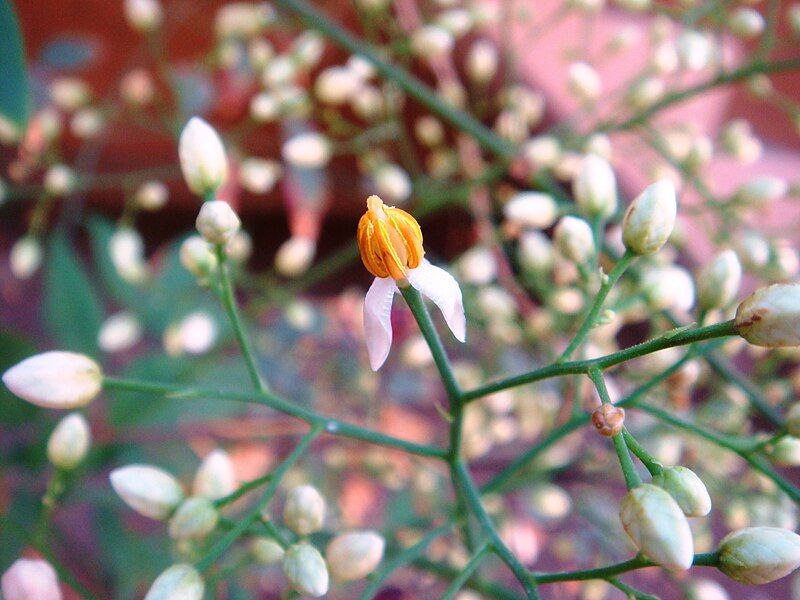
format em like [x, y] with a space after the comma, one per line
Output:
[69, 443]
[215, 477]
[25, 257]
[482, 61]
[295, 256]
[431, 41]
[304, 511]
[126, 249]
[718, 282]
[202, 155]
[705, 589]
[305, 569]
[30, 579]
[151, 195]
[119, 332]
[668, 287]
[217, 222]
[542, 152]
[596, 187]
[584, 82]
[746, 23]
[150, 491]
[179, 582]
[69, 93]
[55, 379]
[759, 555]
[308, 150]
[762, 190]
[574, 240]
[455, 20]
[266, 551]
[658, 527]
[786, 451]
[259, 176]
[59, 180]
[264, 107]
[307, 48]
[694, 50]
[392, 182]
[195, 518]
[337, 85]
[608, 419]
[354, 555]
[649, 220]
[770, 316]
[536, 210]
[143, 15]
[687, 489]
[793, 420]
[137, 88]
[197, 257]
[535, 252]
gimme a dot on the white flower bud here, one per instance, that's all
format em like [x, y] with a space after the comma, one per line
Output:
[794, 18]
[295, 256]
[770, 316]
[307, 48]
[307, 150]
[59, 180]
[574, 240]
[687, 489]
[337, 85]
[706, 589]
[69, 443]
[668, 287]
[596, 187]
[215, 478]
[542, 152]
[634, 5]
[761, 190]
[86, 123]
[9, 132]
[137, 87]
[148, 490]
[30, 579]
[197, 257]
[240, 248]
[305, 569]
[535, 252]
[241, 20]
[431, 41]
[455, 20]
[368, 103]
[194, 519]
[264, 107]
[536, 210]
[695, 50]
[266, 551]
[657, 526]
[179, 582]
[25, 257]
[718, 282]
[55, 379]
[738, 140]
[69, 93]
[143, 15]
[202, 155]
[664, 59]
[746, 23]
[429, 131]
[482, 61]
[354, 555]
[151, 195]
[649, 220]
[599, 144]
[392, 183]
[217, 222]
[645, 92]
[119, 332]
[304, 511]
[477, 266]
[759, 555]
[126, 249]
[793, 420]
[786, 451]
[195, 334]
[258, 175]
[584, 82]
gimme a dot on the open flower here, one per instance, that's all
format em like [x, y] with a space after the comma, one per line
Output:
[390, 241]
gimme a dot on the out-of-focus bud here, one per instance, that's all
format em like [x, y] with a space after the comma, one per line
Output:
[25, 257]
[242, 20]
[119, 332]
[608, 419]
[337, 85]
[151, 195]
[194, 519]
[264, 107]
[718, 282]
[240, 248]
[55, 379]
[392, 183]
[69, 93]
[658, 527]
[429, 130]
[477, 266]
[137, 87]
[695, 50]
[770, 316]
[649, 220]
[143, 15]
[86, 123]
[536, 210]
[535, 252]
[215, 477]
[69, 443]
[126, 249]
[307, 150]
[762, 190]
[746, 23]
[794, 18]
[705, 589]
[305, 569]
[295, 256]
[686, 488]
[9, 132]
[217, 222]
[148, 490]
[669, 286]
[664, 59]
[542, 152]
[759, 555]
[584, 82]
[258, 175]
[754, 250]
[431, 41]
[202, 155]
[596, 187]
[354, 555]
[195, 334]
[645, 92]
[368, 103]
[482, 60]
[760, 86]
[574, 240]
[179, 582]
[304, 511]
[307, 48]
[786, 451]
[793, 420]
[738, 140]
[59, 180]
[266, 551]
[198, 258]
[30, 579]
[457, 21]
[634, 5]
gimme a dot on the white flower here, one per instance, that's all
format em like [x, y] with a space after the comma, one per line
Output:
[217, 222]
[650, 218]
[759, 555]
[69, 442]
[215, 478]
[354, 555]
[148, 490]
[305, 569]
[179, 582]
[29, 579]
[770, 316]
[304, 511]
[596, 187]
[202, 157]
[55, 379]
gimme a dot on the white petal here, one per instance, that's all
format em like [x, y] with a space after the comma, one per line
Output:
[378, 321]
[438, 285]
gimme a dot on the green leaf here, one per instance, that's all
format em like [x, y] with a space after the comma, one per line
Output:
[15, 91]
[72, 309]
[13, 349]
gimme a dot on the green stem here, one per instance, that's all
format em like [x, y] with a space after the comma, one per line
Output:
[652, 465]
[488, 589]
[243, 489]
[458, 582]
[709, 559]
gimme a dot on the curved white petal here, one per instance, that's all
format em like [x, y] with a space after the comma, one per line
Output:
[378, 320]
[438, 285]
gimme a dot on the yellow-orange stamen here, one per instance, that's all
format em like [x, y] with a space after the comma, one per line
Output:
[390, 240]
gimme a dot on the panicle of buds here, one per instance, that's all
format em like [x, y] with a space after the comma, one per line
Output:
[770, 316]
[69, 442]
[759, 555]
[608, 419]
[55, 379]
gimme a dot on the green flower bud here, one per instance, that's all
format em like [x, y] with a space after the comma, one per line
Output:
[194, 519]
[759, 555]
[786, 451]
[687, 489]
[649, 220]
[305, 569]
[304, 511]
[266, 551]
[718, 282]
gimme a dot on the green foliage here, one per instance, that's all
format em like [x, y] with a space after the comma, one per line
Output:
[15, 93]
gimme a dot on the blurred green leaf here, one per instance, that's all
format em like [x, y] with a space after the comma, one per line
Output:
[15, 92]
[14, 348]
[15, 527]
[73, 311]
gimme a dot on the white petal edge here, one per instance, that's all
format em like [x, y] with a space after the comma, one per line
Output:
[378, 320]
[441, 287]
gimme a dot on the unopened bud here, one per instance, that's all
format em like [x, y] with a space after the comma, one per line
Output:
[198, 258]
[649, 220]
[217, 222]
[25, 257]
[305, 569]
[542, 152]
[718, 282]
[55, 379]
[786, 451]
[574, 240]
[143, 15]
[746, 23]
[307, 150]
[295, 256]
[392, 183]
[202, 155]
[30, 579]
[596, 187]
[179, 582]
[151, 195]
[686, 488]
[258, 175]
[695, 50]
[354, 555]
[431, 41]
[770, 316]
[584, 82]
[482, 60]
[69, 443]
[59, 180]
[266, 551]
[69, 93]
[137, 87]
[148, 490]
[126, 249]
[194, 519]
[536, 210]
[762, 190]
[337, 85]
[215, 477]
[608, 419]
[119, 332]
[535, 252]
[759, 555]
[304, 511]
